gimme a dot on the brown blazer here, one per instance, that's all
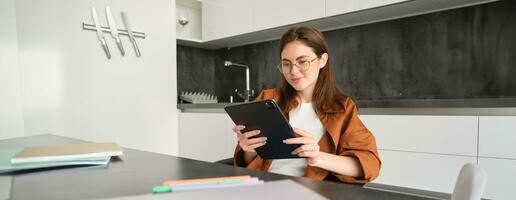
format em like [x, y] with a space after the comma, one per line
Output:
[345, 135]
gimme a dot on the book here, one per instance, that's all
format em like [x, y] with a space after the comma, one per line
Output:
[6, 166]
[68, 152]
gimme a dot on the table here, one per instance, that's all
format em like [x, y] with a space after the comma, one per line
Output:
[136, 172]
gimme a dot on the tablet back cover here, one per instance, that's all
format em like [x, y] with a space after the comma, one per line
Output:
[267, 117]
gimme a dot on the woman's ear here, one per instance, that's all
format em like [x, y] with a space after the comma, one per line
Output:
[323, 60]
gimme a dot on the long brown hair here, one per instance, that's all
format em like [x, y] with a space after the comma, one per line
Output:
[327, 97]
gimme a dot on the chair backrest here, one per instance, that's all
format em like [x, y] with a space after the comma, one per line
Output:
[470, 183]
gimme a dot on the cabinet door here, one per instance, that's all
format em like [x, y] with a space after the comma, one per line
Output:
[190, 11]
[337, 7]
[273, 13]
[206, 136]
[501, 174]
[455, 135]
[424, 171]
[225, 18]
[497, 135]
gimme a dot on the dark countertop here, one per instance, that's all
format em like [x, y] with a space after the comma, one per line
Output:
[136, 172]
[476, 107]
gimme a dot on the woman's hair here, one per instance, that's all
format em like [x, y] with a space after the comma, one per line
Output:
[326, 96]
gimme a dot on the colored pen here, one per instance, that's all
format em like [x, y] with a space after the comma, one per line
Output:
[206, 185]
[200, 187]
[204, 180]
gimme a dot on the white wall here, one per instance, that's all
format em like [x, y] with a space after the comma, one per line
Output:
[70, 88]
[11, 115]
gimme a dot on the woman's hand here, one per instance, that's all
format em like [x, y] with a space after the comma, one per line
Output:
[246, 143]
[309, 148]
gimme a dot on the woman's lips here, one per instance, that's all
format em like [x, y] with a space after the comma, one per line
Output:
[296, 80]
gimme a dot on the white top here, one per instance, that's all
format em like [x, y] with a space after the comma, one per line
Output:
[305, 118]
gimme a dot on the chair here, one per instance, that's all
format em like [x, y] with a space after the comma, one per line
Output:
[227, 161]
[470, 183]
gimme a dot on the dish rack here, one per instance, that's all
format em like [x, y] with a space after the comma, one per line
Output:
[198, 97]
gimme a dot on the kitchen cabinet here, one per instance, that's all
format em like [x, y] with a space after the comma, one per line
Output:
[497, 154]
[337, 7]
[231, 23]
[500, 177]
[206, 136]
[272, 13]
[497, 135]
[426, 171]
[456, 135]
[423, 151]
[226, 18]
[190, 12]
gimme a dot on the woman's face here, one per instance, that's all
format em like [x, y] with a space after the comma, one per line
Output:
[300, 65]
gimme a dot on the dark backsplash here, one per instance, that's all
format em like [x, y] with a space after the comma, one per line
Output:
[456, 54]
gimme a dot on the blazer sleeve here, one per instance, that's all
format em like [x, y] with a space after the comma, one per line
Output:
[358, 142]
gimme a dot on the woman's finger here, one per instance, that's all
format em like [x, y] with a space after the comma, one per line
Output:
[238, 128]
[302, 133]
[251, 133]
[256, 145]
[299, 140]
[308, 154]
[306, 148]
[256, 140]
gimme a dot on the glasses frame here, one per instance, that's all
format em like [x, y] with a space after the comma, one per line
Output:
[280, 66]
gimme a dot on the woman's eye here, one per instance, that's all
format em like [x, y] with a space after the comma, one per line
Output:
[286, 64]
[301, 62]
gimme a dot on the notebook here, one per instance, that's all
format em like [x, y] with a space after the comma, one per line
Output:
[66, 152]
[6, 166]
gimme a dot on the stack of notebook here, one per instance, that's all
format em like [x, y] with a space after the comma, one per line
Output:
[58, 155]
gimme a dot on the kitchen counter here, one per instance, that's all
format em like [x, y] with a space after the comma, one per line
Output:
[463, 107]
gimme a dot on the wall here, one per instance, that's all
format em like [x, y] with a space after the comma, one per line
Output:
[71, 89]
[11, 115]
[198, 68]
[460, 53]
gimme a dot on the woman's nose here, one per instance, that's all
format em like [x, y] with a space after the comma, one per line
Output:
[294, 69]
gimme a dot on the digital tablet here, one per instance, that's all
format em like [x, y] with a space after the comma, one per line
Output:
[267, 117]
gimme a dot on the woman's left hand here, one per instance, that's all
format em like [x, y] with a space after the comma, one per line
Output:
[309, 148]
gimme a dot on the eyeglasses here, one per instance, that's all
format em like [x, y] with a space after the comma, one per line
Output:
[302, 65]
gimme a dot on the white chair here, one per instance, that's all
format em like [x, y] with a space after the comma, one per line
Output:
[470, 183]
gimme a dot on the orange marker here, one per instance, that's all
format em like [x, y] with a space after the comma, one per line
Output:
[204, 180]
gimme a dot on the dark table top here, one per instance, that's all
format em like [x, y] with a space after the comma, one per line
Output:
[136, 172]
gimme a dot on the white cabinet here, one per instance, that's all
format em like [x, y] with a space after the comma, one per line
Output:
[337, 7]
[206, 136]
[190, 12]
[497, 136]
[455, 135]
[230, 23]
[421, 170]
[226, 18]
[501, 174]
[497, 154]
[421, 151]
[273, 13]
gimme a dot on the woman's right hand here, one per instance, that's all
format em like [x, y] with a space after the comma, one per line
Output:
[246, 143]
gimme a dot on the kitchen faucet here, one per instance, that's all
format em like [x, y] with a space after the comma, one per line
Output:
[247, 93]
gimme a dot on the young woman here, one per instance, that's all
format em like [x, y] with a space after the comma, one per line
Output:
[335, 143]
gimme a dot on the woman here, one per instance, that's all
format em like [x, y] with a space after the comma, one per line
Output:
[335, 143]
